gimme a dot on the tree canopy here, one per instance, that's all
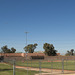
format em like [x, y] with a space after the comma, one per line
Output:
[5, 49]
[49, 49]
[30, 48]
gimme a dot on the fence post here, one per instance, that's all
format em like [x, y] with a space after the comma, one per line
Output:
[51, 66]
[62, 65]
[13, 67]
[66, 63]
[27, 67]
[74, 64]
[40, 67]
[31, 62]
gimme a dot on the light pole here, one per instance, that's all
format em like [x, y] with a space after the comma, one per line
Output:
[26, 37]
[26, 43]
[26, 52]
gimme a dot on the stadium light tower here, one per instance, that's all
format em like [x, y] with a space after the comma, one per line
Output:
[26, 43]
[26, 52]
[26, 37]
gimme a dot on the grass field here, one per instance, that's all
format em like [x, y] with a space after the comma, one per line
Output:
[68, 65]
[6, 69]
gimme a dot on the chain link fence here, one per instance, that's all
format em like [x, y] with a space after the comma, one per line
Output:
[43, 67]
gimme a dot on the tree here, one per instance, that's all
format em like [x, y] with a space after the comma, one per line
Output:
[70, 53]
[72, 50]
[49, 49]
[5, 49]
[30, 48]
[13, 50]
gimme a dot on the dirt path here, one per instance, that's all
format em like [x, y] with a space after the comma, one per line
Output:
[48, 71]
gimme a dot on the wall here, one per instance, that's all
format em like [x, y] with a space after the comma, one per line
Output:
[21, 54]
[11, 54]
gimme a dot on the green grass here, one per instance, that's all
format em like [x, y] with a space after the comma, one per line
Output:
[6, 69]
[68, 65]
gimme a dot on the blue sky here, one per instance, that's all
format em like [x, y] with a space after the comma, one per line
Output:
[51, 21]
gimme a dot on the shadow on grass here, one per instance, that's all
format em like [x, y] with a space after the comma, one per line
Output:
[5, 69]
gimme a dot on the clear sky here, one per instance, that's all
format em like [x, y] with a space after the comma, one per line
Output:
[47, 21]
